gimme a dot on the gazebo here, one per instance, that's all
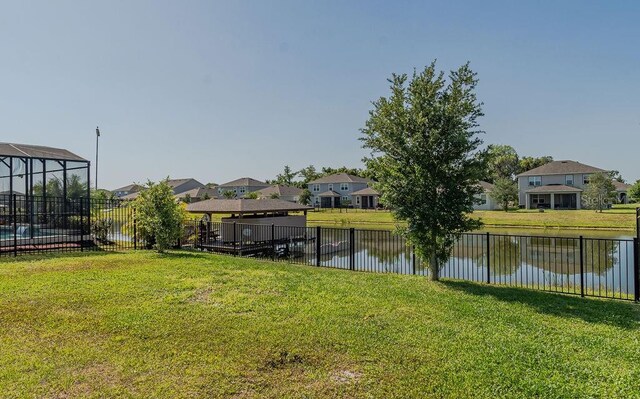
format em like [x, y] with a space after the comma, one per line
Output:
[250, 224]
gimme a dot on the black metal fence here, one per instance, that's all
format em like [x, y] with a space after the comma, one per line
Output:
[573, 265]
[30, 224]
[597, 267]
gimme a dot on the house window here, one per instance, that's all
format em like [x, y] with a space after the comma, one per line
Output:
[568, 180]
[535, 181]
[316, 188]
[357, 200]
[585, 179]
[344, 186]
[242, 190]
[330, 187]
[483, 198]
[345, 198]
[537, 199]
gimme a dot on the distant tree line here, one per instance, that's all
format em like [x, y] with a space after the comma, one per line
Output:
[302, 177]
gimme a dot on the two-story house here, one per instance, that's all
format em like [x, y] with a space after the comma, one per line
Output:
[342, 189]
[126, 190]
[485, 202]
[178, 186]
[241, 187]
[556, 185]
[279, 191]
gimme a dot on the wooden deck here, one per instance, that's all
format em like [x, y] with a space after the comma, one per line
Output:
[263, 248]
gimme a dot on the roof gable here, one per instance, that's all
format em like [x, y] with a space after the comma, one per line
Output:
[280, 190]
[561, 168]
[244, 182]
[341, 178]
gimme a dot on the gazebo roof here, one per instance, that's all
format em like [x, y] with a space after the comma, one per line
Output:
[242, 206]
[36, 151]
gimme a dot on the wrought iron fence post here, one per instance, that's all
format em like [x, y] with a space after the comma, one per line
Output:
[352, 249]
[81, 225]
[235, 241]
[488, 258]
[636, 269]
[581, 266]
[273, 241]
[135, 230]
[318, 244]
[14, 210]
[413, 258]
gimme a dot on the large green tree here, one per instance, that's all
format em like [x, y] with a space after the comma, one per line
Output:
[425, 152]
[505, 191]
[502, 162]
[600, 191]
[528, 163]
[286, 177]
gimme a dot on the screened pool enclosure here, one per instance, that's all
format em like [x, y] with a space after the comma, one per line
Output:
[44, 196]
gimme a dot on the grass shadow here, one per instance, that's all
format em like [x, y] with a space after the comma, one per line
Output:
[591, 310]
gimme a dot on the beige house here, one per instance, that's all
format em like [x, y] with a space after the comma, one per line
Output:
[279, 191]
[556, 185]
[178, 186]
[621, 192]
[339, 190]
[367, 198]
[197, 194]
[126, 190]
[241, 187]
[486, 202]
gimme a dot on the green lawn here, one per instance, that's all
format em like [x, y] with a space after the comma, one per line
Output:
[198, 325]
[619, 218]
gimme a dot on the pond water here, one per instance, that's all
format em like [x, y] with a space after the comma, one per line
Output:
[548, 263]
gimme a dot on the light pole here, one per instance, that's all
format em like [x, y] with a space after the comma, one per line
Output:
[97, 139]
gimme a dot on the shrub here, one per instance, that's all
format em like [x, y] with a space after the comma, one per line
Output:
[159, 217]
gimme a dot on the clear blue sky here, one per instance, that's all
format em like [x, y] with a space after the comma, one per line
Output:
[219, 90]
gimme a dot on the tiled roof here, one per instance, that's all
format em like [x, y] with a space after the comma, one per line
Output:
[173, 183]
[554, 188]
[131, 196]
[341, 178]
[245, 182]
[329, 193]
[561, 168]
[621, 186]
[199, 192]
[36, 151]
[281, 190]
[366, 191]
[486, 186]
[245, 206]
[130, 187]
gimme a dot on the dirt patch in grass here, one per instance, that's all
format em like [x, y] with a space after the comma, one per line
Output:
[201, 295]
[91, 379]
